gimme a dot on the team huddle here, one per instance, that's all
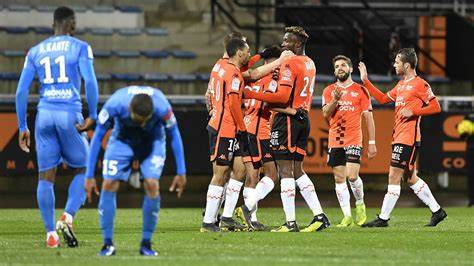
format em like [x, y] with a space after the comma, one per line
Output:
[268, 140]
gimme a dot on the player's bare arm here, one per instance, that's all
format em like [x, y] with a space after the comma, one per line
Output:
[330, 108]
[88, 124]
[259, 72]
[369, 121]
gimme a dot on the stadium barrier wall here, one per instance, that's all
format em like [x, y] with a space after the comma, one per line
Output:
[442, 149]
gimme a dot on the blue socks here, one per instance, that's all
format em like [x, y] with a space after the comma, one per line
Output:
[76, 194]
[107, 207]
[46, 200]
[151, 209]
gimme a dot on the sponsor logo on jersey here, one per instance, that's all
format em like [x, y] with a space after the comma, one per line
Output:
[58, 93]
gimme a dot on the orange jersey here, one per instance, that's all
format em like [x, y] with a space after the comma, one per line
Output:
[345, 124]
[257, 116]
[299, 74]
[410, 94]
[225, 79]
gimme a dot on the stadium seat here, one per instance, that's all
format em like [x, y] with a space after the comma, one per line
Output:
[103, 76]
[9, 76]
[100, 31]
[17, 30]
[157, 31]
[183, 77]
[45, 8]
[183, 54]
[155, 54]
[436, 79]
[127, 53]
[43, 30]
[20, 8]
[129, 32]
[126, 77]
[102, 53]
[203, 76]
[324, 78]
[155, 77]
[13, 53]
[129, 9]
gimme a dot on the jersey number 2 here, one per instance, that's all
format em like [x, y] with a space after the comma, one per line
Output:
[48, 78]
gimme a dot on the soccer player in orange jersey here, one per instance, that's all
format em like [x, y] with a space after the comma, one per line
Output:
[259, 155]
[344, 103]
[226, 85]
[289, 134]
[413, 99]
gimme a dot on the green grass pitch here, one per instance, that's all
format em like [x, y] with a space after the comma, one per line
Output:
[178, 240]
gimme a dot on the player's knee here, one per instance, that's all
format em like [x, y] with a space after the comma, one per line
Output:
[48, 175]
[152, 187]
[110, 185]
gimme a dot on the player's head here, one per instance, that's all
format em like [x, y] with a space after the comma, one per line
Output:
[271, 53]
[405, 60]
[233, 35]
[294, 39]
[342, 67]
[64, 19]
[239, 50]
[141, 108]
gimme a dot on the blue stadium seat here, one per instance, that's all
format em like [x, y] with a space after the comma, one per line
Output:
[155, 77]
[129, 9]
[45, 8]
[43, 30]
[377, 78]
[155, 54]
[103, 9]
[102, 53]
[183, 77]
[129, 32]
[203, 76]
[101, 31]
[13, 53]
[127, 54]
[9, 76]
[436, 79]
[103, 76]
[156, 31]
[126, 77]
[17, 30]
[183, 54]
[79, 8]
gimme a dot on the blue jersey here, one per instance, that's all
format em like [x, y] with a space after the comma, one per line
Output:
[115, 113]
[58, 62]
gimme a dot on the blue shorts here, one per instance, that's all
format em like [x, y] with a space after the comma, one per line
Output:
[119, 155]
[58, 140]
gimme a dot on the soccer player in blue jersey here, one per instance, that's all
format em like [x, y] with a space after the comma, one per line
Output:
[59, 63]
[142, 119]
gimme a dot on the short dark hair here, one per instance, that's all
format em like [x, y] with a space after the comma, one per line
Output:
[63, 12]
[142, 104]
[234, 45]
[342, 57]
[233, 35]
[298, 32]
[273, 51]
[408, 55]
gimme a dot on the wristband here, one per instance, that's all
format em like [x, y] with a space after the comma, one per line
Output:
[371, 142]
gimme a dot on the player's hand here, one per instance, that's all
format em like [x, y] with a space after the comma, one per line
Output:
[178, 185]
[24, 140]
[405, 112]
[337, 93]
[300, 115]
[90, 185]
[88, 124]
[286, 54]
[243, 138]
[372, 151]
[363, 71]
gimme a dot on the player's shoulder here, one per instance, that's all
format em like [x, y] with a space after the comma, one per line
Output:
[420, 82]
[329, 87]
